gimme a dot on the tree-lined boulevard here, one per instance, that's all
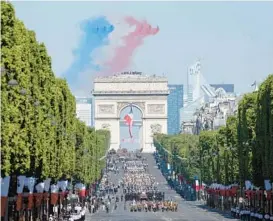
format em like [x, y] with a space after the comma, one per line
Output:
[51, 161]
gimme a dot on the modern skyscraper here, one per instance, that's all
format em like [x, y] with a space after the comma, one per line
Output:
[84, 110]
[193, 82]
[175, 103]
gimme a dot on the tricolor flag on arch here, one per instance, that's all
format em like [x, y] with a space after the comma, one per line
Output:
[129, 120]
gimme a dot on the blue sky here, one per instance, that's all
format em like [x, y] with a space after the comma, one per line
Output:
[234, 40]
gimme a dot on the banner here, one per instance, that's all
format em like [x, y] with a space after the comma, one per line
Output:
[30, 201]
[129, 121]
[46, 196]
[62, 185]
[54, 194]
[197, 187]
[259, 194]
[38, 199]
[3, 205]
[267, 185]
[82, 189]
[30, 183]
[5, 186]
[47, 184]
[248, 185]
[234, 190]
[19, 201]
[40, 187]
[39, 195]
[4, 193]
[248, 194]
[20, 187]
[20, 183]
[228, 192]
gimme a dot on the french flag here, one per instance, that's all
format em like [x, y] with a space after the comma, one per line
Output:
[129, 121]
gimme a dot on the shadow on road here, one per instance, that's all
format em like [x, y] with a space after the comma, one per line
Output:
[224, 214]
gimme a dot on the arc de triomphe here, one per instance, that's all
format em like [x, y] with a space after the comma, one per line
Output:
[147, 93]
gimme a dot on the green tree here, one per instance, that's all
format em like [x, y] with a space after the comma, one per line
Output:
[186, 146]
[263, 150]
[208, 154]
[41, 135]
[232, 150]
[246, 134]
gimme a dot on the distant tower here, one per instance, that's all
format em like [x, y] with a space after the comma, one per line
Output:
[189, 86]
[198, 78]
[194, 82]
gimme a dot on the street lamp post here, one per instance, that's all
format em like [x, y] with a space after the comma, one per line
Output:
[231, 149]
[174, 156]
[216, 154]
[96, 155]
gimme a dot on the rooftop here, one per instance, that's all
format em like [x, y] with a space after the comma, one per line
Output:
[133, 76]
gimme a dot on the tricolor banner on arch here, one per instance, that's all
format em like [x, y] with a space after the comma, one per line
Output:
[129, 121]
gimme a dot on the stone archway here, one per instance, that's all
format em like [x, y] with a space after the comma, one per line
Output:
[113, 95]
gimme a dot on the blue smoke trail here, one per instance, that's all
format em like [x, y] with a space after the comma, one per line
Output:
[95, 35]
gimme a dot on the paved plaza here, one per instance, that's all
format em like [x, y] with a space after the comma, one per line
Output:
[187, 211]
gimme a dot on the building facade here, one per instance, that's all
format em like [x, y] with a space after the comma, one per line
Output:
[175, 103]
[206, 106]
[229, 88]
[84, 110]
[210, 115]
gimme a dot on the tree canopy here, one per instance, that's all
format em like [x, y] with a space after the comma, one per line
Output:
[41, 135]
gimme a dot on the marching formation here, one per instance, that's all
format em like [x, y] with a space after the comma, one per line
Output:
[135, 191]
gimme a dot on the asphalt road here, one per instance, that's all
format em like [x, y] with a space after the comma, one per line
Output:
[187, 211]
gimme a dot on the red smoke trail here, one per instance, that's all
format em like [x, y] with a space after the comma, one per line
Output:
[123, 54]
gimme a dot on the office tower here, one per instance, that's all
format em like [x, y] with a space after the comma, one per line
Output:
[84, 110]
[175, 103]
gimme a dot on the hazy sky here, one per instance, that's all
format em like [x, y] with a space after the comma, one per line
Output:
[234, 40]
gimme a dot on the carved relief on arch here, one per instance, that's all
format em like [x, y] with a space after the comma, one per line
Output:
[156, 108]
[106, 109]
[156, 128]
[122, 105]
[105, 126]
